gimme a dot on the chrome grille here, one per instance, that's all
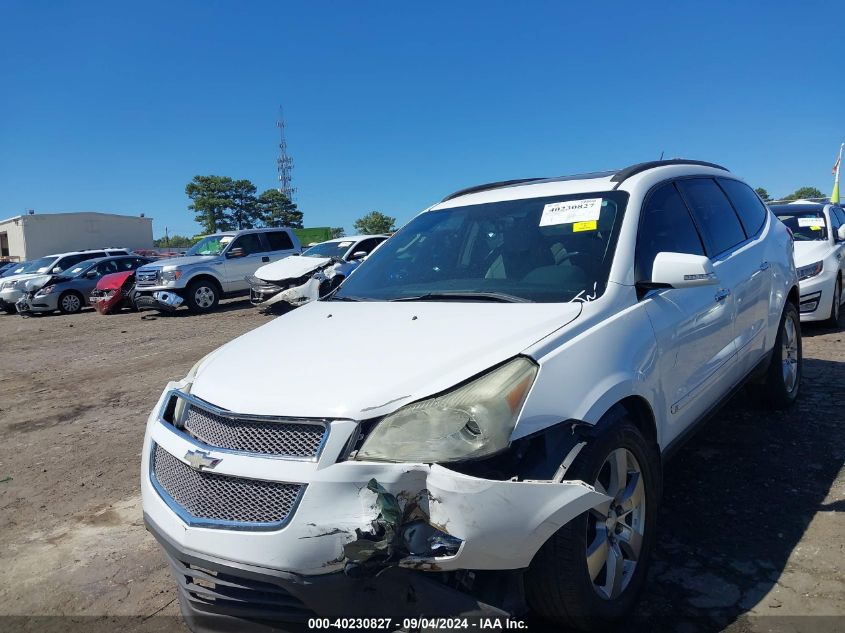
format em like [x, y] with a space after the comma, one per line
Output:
[290, 439]
[222, 498]
[146, 277]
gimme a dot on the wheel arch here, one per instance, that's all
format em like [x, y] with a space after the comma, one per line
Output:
[206, 276]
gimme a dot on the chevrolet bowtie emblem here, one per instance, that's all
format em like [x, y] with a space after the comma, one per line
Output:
[200, 459]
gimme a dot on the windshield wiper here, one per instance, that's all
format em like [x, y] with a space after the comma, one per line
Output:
[333, 297]
[499, 297]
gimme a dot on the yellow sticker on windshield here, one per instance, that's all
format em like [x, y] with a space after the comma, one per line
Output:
[815, 228]
[584, 226]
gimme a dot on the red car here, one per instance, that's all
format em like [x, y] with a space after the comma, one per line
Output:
[113, 292]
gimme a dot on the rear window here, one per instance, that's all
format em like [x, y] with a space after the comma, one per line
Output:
[279, 241]
[715, 215]
[752, 213]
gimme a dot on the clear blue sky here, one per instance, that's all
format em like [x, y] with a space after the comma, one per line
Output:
[115, 106]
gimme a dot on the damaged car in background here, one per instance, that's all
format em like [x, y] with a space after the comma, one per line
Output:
[534, 350]
[69, 291]
[297, 280]
[114, 292]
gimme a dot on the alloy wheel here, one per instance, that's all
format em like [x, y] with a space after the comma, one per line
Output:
[615, 529]
[71, 303]
[789, 353]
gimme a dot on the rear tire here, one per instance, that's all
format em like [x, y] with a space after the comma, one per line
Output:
[70, 302]
[783, 376]
[835, 306]
[202, 295]
[584, 591]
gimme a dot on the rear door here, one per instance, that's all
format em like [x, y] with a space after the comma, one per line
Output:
[693, 326]
[279, 245]
[738, 256]
[237, 268]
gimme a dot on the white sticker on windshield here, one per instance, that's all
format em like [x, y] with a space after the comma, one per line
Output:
[225, 239]
[344, 244]
[810, 222]
[571, 211]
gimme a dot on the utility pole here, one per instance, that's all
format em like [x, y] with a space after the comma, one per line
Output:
[284, 163]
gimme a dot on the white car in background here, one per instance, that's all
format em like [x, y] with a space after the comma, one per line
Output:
[320, 269]
[518, 361]
[818, 231]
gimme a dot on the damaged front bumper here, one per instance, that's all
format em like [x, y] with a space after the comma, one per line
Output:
[163, 300]
[359, 524]
[294, 292]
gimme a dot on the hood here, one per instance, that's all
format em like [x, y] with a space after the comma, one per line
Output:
[290, 267]
[34, 282]
[810, 252]
[114, 281]
[21, 277]
[361, 360]
[174, 262]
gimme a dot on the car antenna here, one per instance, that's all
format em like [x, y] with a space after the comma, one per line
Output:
[661, 154]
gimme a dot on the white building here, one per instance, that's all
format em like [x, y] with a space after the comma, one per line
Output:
[27, 237]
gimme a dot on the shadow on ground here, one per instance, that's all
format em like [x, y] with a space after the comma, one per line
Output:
[737, 500]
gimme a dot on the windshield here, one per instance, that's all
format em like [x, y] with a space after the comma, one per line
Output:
[211, 245]
[806, 226]
[553, 249]
[328, 249]
[80, 268]
[43, 265]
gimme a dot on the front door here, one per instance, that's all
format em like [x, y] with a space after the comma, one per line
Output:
[238, 268]
[693, 326]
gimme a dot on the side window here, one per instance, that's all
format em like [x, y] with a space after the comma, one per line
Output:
[752, 213]
[365, 245]
[665, 226]
[279, 240]
[107, 267]
[714, 213]
[69, 262]
[840, 215]
[251, 243]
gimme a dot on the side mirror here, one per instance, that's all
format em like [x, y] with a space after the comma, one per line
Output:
[682, 270]
[840, 233]
[91, 274]
[56, 270]
[359, 254]
[235, 252]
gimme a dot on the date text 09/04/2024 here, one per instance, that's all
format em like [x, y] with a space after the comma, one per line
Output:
[437, 624]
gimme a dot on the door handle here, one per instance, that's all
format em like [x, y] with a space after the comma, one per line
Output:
[764, 265]
[722, 294]
[265, 258]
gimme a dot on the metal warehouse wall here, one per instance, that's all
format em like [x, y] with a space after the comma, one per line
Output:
[46, 233]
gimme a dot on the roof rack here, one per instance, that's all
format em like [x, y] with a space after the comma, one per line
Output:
[616, 176]
[621, 176]
[488, 186]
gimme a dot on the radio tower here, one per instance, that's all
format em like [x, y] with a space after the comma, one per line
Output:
[284, 163]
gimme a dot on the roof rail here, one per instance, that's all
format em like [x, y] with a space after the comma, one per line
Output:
[488, 186]
[621, 176]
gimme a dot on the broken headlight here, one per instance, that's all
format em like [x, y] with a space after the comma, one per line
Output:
[468, 422]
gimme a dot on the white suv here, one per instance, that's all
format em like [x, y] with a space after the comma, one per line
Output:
[527, 355]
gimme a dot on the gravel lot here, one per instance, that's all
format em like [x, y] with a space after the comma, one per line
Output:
[752, 524]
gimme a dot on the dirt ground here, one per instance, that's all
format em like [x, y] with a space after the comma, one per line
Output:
[752, 528]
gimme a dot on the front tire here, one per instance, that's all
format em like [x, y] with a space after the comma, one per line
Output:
[588, 574]
[835, 307]
[202, 295]
[70, 302]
